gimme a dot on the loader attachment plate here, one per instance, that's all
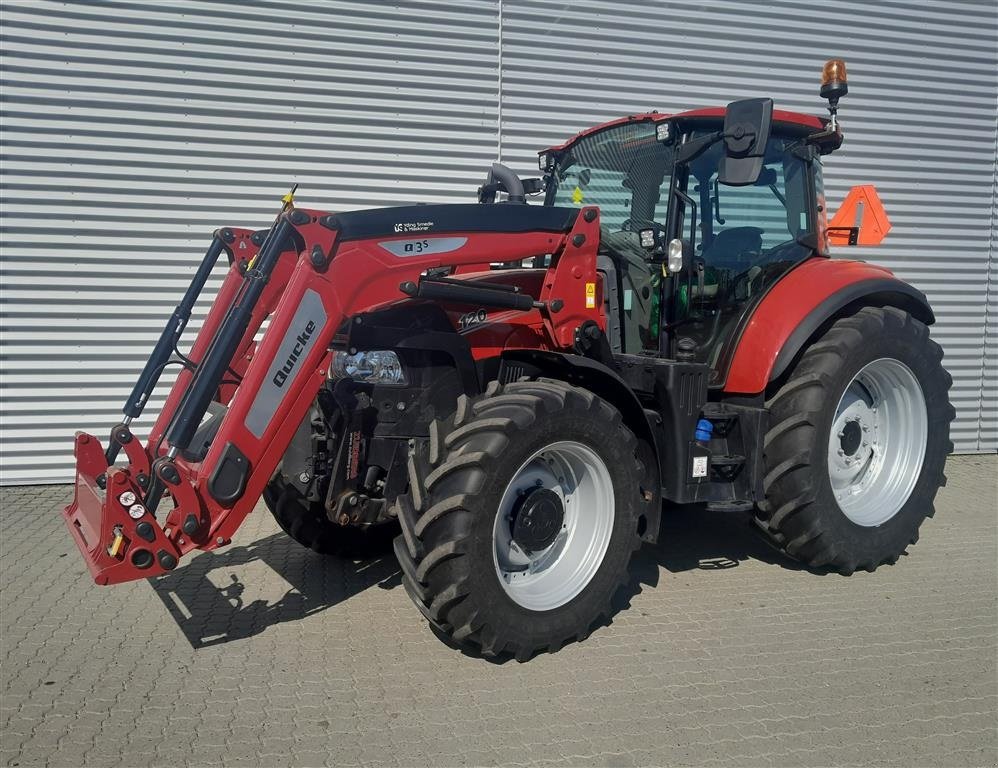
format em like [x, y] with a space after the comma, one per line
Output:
[116, 546]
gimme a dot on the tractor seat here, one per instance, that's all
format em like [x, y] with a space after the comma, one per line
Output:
[735, 249]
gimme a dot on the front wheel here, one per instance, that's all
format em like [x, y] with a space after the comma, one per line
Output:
[858, 442]
[518, 530]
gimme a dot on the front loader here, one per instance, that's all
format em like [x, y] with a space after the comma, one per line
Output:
[512, 390]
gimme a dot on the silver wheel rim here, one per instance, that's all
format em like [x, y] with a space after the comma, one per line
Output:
[877, 443]
[549, 578]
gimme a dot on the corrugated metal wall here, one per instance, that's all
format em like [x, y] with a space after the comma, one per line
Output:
[131, 130]
[989, 366]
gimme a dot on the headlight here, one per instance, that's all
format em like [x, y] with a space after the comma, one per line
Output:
[373, 367]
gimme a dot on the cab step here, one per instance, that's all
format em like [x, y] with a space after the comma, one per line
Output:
[726, 466]
[723, 418]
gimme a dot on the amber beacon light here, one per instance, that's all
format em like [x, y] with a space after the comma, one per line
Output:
[834, 85]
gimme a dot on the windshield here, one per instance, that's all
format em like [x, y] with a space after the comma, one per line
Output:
[625, 171]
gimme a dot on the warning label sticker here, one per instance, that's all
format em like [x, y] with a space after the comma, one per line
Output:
[590, 295]
[699, 466]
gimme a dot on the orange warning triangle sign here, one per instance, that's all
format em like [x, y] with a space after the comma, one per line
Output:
[860, 220]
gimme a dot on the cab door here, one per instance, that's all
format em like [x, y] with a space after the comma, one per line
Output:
[747, 238]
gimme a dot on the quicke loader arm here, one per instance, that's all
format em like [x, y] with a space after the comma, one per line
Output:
[314, 282]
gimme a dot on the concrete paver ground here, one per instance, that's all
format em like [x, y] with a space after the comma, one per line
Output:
[265, 654]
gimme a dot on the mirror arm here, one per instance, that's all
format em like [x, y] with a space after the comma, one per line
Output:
[691, 150]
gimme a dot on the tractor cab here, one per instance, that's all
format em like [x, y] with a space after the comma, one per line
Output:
[693, 231]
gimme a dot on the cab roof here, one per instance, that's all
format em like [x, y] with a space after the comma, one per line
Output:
[781, 117]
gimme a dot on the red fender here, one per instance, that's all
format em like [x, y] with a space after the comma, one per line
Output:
[795, 308]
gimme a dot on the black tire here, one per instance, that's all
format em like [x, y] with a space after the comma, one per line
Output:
[446, 549]
[800, 513]
[306, 522]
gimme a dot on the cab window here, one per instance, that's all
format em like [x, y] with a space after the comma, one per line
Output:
[625, 171]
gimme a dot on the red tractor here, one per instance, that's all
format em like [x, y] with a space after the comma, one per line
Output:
[517, 388]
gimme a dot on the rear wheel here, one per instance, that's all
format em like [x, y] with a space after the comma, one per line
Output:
[522, 520]
[858, 441]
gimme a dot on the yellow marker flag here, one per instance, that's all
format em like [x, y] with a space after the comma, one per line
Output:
[577, 196]
[289, 199]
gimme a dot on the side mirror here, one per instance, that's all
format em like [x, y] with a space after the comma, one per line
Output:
[746, 133]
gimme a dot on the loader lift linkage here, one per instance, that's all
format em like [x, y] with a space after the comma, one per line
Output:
[214, 495]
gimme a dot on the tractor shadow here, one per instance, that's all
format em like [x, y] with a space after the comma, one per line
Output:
[690, 538]
[695, 538]
[209, 597]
